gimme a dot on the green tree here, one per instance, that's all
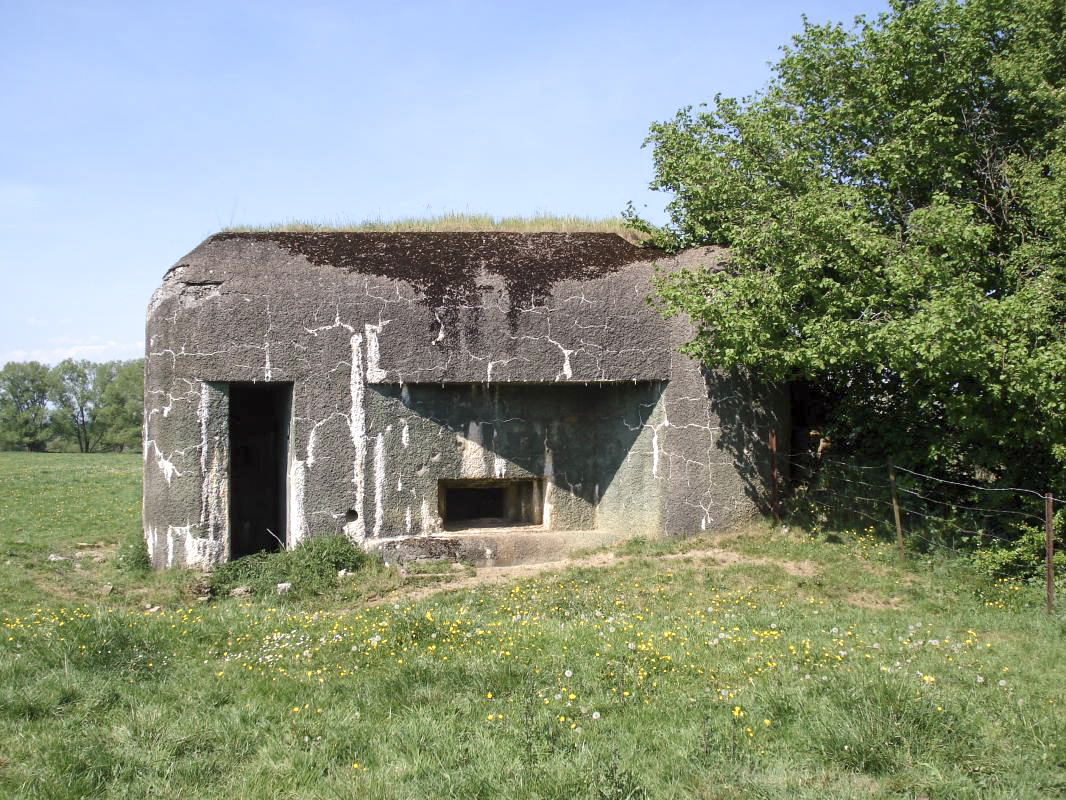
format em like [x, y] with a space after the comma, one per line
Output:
[894, 202]
[25, 415]
[78, 391]
[122, 405]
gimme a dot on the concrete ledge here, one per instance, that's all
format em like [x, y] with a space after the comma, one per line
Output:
[493, 547]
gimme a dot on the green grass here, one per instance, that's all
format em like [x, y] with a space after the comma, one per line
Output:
[455, 222]
[85, 510]
[638, 680]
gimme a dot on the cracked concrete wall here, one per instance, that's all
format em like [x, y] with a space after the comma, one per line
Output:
[417, 357]
[589, 446]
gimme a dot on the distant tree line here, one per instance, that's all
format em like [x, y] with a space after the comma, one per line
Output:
[77, 406]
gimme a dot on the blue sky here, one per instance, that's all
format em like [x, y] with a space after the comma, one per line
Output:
[131, 131]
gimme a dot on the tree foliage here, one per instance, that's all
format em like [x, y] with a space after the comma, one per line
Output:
[894, 202]
[25, 416]
[90, 406]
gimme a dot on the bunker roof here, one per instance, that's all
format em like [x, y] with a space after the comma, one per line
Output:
[446, 266]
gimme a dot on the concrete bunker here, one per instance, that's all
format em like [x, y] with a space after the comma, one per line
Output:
[408, 390]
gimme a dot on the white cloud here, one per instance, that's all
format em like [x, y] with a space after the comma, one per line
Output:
[59, 349]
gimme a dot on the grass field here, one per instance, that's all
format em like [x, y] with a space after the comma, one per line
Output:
[766, 664]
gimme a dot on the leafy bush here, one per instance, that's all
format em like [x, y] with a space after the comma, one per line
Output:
[1022, 558]
[311, 568]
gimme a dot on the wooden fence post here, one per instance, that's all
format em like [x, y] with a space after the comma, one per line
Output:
[895, 512]
[773, 475]
[1049, 545]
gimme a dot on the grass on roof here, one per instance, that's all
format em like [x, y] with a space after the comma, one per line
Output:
[539, 223]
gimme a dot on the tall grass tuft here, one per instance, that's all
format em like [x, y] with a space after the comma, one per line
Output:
[132, 554]
[311, 568]
[457, 223]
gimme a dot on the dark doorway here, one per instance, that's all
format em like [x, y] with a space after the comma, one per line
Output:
[483, 503]
[259, 455]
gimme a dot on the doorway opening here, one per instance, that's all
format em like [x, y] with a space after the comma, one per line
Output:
[259, 457]
[483, 503]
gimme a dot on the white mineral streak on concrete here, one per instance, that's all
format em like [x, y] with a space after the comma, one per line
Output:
[165, 465]
[218, 497]
[175, 533]
[407, 519]
[374, 373]
[144, 440]
[499, 467]
[149, 541]
[655, 452]
[201, 415]
[312, 437]
[199, 552]
[379, 483]
[471, 453]
[268, 371]
[549, 486]
[405, 394]
[297, 519]
[567, 372]
[429, 522]
[405, 434]
[336, 324]
[311, 444]
[356, 529]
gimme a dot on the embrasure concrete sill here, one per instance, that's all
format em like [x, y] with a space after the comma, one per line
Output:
[495, 547]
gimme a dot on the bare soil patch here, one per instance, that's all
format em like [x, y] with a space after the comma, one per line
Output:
[485, 576]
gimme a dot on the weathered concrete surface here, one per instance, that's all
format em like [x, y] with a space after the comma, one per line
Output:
[488, 547]
[420, 357]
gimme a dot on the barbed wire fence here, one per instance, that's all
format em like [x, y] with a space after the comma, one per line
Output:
[924, 511]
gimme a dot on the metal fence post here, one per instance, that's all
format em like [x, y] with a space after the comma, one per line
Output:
[1049, 546]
